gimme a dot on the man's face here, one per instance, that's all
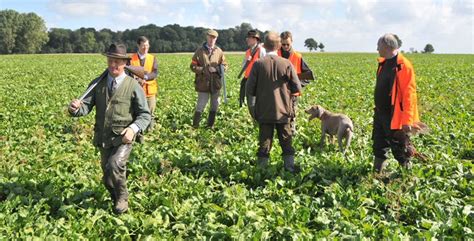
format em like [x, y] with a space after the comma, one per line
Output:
[211, 40]
[251, 41]
[286, 44]
[116, 66]
[384, 50]
[143, 47]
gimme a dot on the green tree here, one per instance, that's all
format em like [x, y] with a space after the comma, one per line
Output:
[321, 47]
[311, 44]
[428, 49]
[9, 20]
[32, 34]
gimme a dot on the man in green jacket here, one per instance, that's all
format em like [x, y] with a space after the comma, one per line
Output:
[121, 112]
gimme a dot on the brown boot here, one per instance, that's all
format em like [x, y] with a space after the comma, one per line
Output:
[211, 119]
[196, 119]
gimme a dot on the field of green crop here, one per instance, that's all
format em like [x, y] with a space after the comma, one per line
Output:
[201, 184]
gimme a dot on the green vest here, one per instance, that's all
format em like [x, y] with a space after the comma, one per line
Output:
[113, 113]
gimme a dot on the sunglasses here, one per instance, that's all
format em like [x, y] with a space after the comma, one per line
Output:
[285, 44]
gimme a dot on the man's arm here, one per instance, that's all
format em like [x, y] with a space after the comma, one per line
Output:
[408, 95]
[141, 112]
[195, 65]
[154, 71]
[294, 81]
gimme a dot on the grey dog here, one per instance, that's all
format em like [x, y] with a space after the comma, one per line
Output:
[333, 124]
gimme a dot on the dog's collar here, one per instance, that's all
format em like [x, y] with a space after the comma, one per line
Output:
[324, 116]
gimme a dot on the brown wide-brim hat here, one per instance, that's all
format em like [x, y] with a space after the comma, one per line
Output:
[253, 34]
[118, 51]
[212, 32]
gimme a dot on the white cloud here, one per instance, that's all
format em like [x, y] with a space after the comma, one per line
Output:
[81, 8]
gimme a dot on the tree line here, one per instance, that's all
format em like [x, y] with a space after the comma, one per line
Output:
[27, 33]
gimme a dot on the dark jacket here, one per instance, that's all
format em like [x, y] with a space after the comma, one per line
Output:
[273, 81]
[114, 113]
[206, 81]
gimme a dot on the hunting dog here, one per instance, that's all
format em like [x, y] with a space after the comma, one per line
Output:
[333, 124]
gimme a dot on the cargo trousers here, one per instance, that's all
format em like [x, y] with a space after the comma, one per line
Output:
[265, 139]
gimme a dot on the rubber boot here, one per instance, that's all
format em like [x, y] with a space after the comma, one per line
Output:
[196, 119]
[262, 162]
[289, 163]
[379, 164]
[211, 119]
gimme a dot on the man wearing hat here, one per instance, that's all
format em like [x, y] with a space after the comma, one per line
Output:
[205, 64]
[254, 53]
[395, 102]
[121, 112]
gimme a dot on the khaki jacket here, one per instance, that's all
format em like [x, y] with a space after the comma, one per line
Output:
[273, 81]
[204, 80]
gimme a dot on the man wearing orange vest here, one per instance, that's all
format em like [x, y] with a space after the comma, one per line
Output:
[150, 65]
[286, 51]
[395, 102]
[254, 53]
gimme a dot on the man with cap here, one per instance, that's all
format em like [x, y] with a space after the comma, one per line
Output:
[205, 64]
[272, 82]
[302, 70]
[121, 112]
[395, 103]
[254, 53]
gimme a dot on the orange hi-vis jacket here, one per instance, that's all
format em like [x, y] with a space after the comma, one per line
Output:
[295, 59]
[248, 56]
[151, 86]
[403, 94]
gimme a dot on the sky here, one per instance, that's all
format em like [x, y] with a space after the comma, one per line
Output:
[341, 25]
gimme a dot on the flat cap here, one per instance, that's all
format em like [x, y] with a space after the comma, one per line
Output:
[212, 32]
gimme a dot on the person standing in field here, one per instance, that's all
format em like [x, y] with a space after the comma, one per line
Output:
[150, 65]
[395, 102]
[273, 82]
[205, 64]
[121, 112]
[302, 70]
[254, 53]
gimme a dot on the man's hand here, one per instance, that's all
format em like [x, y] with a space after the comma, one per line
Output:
[212, 69]
[74, 106]
[407, 129]
[127, 135]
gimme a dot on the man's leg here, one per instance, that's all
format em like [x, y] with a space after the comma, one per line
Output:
[265, 139]
[242, 94]
[202, 100]
[151, 100]
[213, 111]
[117, 162]
[380, 140]
[285, 137]
[106, 172]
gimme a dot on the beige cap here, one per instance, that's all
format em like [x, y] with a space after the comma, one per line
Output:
[212, 32]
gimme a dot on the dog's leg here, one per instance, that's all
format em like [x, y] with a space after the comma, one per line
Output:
[323, 138]
[348, 139]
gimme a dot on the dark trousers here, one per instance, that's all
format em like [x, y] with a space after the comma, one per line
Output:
[265, 139]
[242, 94]
[383, 139]
[114, 168]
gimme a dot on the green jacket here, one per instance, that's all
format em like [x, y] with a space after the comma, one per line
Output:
[114, 113]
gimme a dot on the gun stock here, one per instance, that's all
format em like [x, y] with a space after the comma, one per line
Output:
[138, 71]
[308, 75]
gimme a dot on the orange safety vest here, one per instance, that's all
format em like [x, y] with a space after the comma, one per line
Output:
[248, 55]
[295, 58]
[151, 86]
[404, 100]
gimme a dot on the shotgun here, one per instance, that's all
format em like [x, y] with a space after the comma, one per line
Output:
[94, 84]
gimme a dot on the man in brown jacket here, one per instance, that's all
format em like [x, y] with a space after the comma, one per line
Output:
[205, 64]
[272, 82]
